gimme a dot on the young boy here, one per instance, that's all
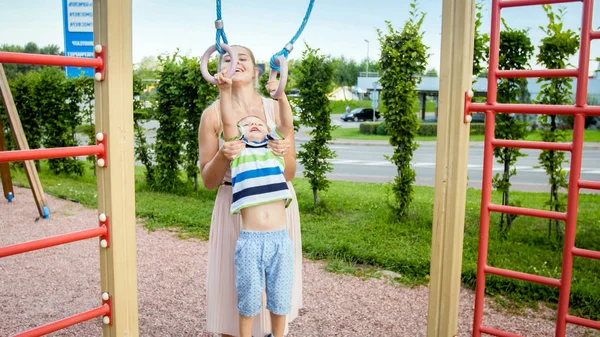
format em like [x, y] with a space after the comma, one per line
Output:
[264, 254]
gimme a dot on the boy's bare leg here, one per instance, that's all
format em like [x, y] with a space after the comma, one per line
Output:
[246, 326]
[277, 325]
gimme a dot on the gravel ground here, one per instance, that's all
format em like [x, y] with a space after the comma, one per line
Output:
[47, 285]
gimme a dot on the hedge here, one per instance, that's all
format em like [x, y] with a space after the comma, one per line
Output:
[425, 129]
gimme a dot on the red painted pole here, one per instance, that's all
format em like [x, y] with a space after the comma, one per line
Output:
[524, 144]
[575, 172]
[527, 212]
[52, 241]
[488, 163]
[61, 152]
[537, 73]
[496, 332]
[538, 109]
[67, 322]
[583, 322]
[51, 60]
[522, 3]
[523, 276]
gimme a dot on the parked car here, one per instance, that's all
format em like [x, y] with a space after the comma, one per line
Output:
[360, 114]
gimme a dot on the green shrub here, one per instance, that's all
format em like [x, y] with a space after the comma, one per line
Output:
[427, 129]
[382, 129]
[369, 128]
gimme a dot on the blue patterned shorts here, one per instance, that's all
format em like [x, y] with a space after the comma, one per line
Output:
[264, 259]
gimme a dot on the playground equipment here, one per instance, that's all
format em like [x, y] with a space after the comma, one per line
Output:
[112, 31]
[21, 141]
[115, 175]
[278, 60]
[452, 160]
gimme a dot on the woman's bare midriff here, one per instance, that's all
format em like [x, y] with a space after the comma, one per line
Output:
[266, 217]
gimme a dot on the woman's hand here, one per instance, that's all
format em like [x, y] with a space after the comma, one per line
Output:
[279, 147]
[223, 82]
[272, 86]
[232, 149]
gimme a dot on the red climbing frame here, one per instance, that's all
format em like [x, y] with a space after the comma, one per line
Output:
[579, 111]
[103, 230]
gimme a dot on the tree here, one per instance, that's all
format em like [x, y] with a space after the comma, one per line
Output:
[59, 100]
[555, 50]
[403, 57]
[14, 70]
[182, 97]
[431, 72]
[481, 49]
[345, 72]
[515, 51]
[314, 75]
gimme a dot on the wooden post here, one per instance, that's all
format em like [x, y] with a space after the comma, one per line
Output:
[116, 198]
[7, 185]
[451, 168]
[21, 140]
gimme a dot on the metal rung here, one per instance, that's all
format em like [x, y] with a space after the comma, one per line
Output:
[592, 185]
[590, 254]
[67, 322]
[595, 35]
[496, 332]
[549, 73]
[528, 212]
[537, 109]
[59, 152]
[29, 246]
[583, 322]
[523, 144]
[522, 3]
[51, 60]
[522, 276]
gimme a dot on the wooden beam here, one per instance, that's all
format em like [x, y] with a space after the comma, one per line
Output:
[21, 140]
[451, 168]
[116, 198]
[7, 185]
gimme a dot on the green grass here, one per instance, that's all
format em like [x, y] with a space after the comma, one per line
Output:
[339, 107]
[590, 136]
[355, 233]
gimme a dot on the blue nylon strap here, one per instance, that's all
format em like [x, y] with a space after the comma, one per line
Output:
[220, 32]
[284, 51]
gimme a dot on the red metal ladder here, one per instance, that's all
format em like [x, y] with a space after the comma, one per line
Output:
[103, 229]
[579, 111]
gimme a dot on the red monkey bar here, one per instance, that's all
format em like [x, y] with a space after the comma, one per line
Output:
[97, 62]
[61, 152]
[579, 111]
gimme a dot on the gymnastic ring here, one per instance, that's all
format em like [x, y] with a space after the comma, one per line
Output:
[207, 54]
[283, 74]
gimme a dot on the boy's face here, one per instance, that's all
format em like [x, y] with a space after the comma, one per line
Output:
[254, 128]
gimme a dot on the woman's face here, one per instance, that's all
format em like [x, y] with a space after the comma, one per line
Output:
[245, 69]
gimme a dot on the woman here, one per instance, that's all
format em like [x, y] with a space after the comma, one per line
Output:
[215, 156]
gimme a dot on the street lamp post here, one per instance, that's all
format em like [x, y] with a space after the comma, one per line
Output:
[367, 41]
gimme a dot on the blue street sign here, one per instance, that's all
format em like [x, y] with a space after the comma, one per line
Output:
[78, 25]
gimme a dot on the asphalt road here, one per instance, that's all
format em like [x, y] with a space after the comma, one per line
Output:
[367, 163]
[362, 162]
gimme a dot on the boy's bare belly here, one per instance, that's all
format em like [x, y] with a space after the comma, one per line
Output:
[266, 217]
